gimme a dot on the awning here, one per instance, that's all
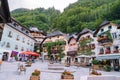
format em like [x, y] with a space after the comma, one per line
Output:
[30, 53]
[83, 56]
[108, 57]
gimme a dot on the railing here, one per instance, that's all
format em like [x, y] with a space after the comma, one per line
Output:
[107, 52]
[101, 53]
[116, 51]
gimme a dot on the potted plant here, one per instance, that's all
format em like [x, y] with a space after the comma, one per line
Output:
[67, 75]
[35, 75]
[95, 64]
[107, 68]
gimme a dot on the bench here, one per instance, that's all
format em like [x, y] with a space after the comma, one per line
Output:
[56, 66]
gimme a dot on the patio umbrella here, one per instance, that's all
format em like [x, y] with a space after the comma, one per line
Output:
[30, 53]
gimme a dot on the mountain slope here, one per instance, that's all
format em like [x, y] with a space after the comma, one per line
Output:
[79, 15]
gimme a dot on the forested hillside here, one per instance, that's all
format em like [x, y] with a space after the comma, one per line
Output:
[79, 15]
[40, 17]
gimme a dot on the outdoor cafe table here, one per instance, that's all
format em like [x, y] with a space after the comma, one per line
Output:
[101, 77]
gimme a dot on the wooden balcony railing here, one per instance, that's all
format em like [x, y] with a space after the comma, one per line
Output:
[116, 51]
[107, 52]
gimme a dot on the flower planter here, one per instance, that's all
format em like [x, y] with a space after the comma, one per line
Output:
[34, 77]
[67, 65]
[96, 67]
[66, 75]
[77, 64]
[69, 77]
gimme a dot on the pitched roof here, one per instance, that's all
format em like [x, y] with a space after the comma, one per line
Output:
[100, 26]
[104, 23]
[55, 33]
[84, 31]
[72, 36]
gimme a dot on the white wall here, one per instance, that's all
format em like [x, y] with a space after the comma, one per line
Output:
[13, 42]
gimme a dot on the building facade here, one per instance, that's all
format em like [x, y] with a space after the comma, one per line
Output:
[38, 35]
[88, 46]
[108, 37]
[72, 48]
[57, 42]
[14, 39]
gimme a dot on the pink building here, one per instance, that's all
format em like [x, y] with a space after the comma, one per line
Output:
[72, 49]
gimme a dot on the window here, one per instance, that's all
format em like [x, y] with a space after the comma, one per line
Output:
[108, 50]
[16, 47]
[22, 49]
[18, 37]
[114, 35]
[31, 44]
[101, 50]
[15, 24]
[28, 42]
[116, 47]
[27, 32]
[8, 45]
[109, 27]
[92, 46]
[22, 29]
[10, 34]
[102, 30]
[23, 40]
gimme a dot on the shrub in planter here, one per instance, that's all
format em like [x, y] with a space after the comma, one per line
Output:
[107, 68]
[95, 62]
[36, 73]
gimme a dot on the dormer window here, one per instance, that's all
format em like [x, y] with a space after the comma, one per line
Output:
[102, 30]
[27, 32]
[10, 34]
[109, 27]
[15, 24]
[22, 29]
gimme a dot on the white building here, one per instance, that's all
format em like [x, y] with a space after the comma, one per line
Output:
[14, 38]
[108, 37]
[88, 46]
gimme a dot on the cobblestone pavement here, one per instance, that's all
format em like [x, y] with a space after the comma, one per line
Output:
[9, 71]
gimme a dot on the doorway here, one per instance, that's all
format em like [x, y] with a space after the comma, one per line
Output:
[5, 56]
[116, 64]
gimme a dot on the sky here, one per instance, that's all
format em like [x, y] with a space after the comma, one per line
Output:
[32, 4]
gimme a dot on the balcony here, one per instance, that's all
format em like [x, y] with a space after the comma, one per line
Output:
[55, 51]
[101, 53]
[116, 51]
[107, 52]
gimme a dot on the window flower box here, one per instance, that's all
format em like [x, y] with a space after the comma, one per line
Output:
[35, 75]
[116, 51]
[101, 53]
[108, 52]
